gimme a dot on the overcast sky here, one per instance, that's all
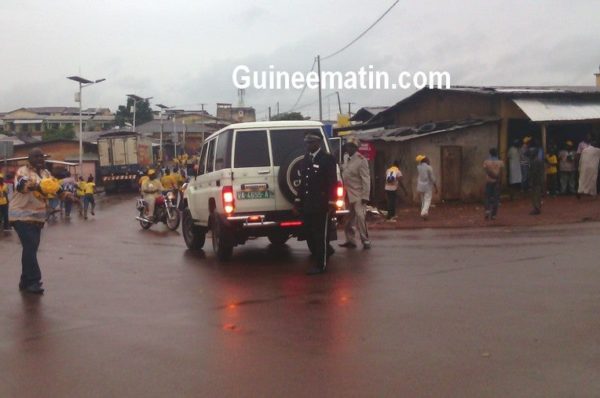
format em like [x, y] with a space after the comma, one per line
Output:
[182, 52]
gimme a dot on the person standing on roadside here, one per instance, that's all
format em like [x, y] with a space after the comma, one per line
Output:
[514, 165]
[426, 184]
[536, 178]
[4, 203]
[566, 169]
[27, 211]
[316, 199]
[552, 171]
[393, 180]
[357, 182]
[525, 164]
[493, 176]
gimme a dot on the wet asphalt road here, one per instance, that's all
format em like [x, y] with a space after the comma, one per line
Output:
[452, 313]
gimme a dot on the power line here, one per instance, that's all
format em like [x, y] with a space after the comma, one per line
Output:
[362, 34]
[303, 88]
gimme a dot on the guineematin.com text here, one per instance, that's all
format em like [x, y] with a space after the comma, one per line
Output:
[363, 78]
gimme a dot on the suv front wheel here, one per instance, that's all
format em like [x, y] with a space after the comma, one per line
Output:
[220, 242]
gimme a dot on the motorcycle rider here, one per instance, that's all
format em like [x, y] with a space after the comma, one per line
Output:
[151, 189]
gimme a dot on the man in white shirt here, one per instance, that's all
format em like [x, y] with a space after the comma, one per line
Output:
[357, 181]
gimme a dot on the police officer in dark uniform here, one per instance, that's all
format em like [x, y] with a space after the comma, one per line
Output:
[316, 198]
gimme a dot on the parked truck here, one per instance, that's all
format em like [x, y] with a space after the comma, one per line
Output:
[124, 156]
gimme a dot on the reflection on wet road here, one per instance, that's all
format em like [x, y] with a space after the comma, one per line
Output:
[500, 312]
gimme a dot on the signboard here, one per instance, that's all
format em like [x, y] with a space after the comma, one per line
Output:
[367, 150]
[6, 149]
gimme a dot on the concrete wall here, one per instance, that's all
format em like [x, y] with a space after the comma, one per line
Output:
[474, 141]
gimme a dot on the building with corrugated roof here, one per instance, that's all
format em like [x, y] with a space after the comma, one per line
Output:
[455, 128]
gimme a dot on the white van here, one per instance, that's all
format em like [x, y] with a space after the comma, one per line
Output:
[246, 183]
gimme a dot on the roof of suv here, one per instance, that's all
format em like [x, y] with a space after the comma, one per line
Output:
[283, 123]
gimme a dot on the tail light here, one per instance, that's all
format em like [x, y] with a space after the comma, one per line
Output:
[339, 195]
[228, 202]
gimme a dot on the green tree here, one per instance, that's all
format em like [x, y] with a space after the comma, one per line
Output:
[143, 113]
[64, 133]
[288, 116]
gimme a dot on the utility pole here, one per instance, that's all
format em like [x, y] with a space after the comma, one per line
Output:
[320, 99]
[202, 122]
[269, 113]
[349, 111]
[278, 107]
[339, 102]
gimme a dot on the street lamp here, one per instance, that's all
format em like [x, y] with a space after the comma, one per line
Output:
[82, 83]
[160, 146]
[136, 99]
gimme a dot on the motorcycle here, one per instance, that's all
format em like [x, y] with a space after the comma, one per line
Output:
[165, 211]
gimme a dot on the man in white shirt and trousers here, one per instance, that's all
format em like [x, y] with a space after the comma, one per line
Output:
[357, 182]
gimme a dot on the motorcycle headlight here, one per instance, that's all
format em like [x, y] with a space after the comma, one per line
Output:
[171, 196]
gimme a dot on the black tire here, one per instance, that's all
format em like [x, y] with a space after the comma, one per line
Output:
[278, 239]
[220, 242]
[173, 223]
[193, 235]
[144, 224]
[289, 174]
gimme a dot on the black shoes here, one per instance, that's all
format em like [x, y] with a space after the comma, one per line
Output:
[348, 245]
[36, 288]
[315, 271]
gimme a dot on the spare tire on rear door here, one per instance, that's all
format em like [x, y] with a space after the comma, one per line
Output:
[290, 177]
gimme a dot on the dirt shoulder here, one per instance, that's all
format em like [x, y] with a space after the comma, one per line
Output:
[555, 210]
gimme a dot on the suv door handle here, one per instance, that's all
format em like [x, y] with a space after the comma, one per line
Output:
[264, 171]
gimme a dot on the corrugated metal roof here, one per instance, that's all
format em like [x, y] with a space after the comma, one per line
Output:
[400, 134]
[555, 109]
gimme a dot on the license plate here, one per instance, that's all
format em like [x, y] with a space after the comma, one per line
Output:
[241, 195]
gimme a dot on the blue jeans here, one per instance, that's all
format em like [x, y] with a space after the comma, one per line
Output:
[492, 198]
[29, 235]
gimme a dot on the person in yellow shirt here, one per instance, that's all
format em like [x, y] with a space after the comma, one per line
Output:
[168, 180]
[552, 171]
[178, 177]
[4, 203]
[88, 197]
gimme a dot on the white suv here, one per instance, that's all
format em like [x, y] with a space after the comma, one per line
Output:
[246, 182]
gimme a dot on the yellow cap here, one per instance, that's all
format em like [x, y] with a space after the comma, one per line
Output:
[420, 158]
[151, 171]
[569, 142]
[526, 140]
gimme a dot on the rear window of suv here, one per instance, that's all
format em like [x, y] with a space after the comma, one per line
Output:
[251, 149]
[286, 141]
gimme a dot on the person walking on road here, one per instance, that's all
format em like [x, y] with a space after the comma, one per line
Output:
[88, 197]
[536, 179]
[357, 182]
[27, 211]
[68, 185]
[393, 180]
[80, 193]
[493, 168]
[4, 203]
[426, 184]
[316, 199]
